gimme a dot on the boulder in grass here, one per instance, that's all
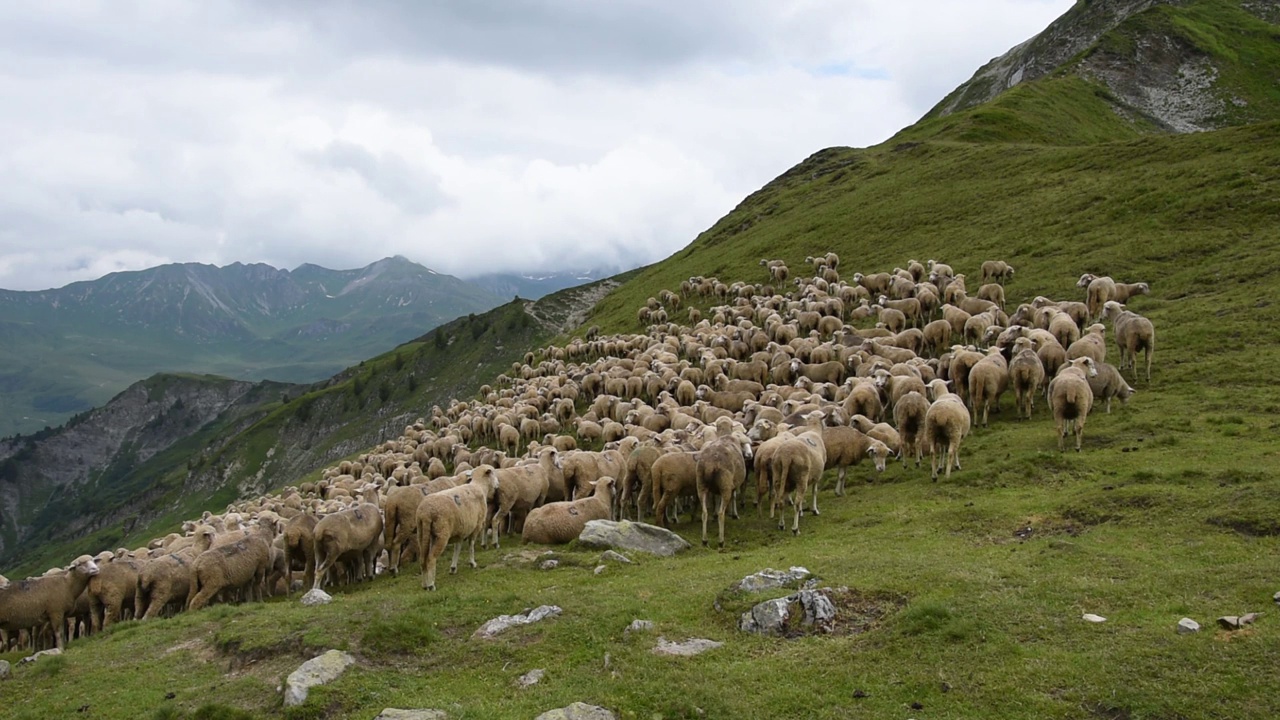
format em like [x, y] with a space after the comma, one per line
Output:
[627, 535]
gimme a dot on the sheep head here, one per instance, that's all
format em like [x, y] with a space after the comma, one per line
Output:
[84, 565]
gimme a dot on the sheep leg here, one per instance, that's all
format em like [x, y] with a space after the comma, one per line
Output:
[702, 498]
[724, 501]
[457, 551]
[800, 498]
[472, 561]
[799, 505]
[840, 481]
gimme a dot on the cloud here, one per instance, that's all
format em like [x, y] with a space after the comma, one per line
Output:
[471, 137]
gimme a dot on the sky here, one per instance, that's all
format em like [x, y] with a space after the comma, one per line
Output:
[472, 137]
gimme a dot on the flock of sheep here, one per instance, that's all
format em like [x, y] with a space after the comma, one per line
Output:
[779, 386]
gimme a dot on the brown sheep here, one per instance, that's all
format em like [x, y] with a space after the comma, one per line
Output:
[352, 535]
[242, 565]
[996, 271]
[1071, 398]
[523, 488]
[675, 475]
[720, 469]
[909, 415]
[1108, 384]
[1026, 373]
[846, 446]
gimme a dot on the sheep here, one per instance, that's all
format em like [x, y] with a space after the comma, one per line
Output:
[1063, 328]
[1071, 398]
[399, 522]
[579, 471]
[50, 599]
[163, 582]
[455, 515]
[1133, 333]
[945, 425]
[1098, 290]
[1092, 344]
[863, 399]
[299, 548]
[1026, 373]
[354, 534]
[561, 522]
[828, 372]
[937, 336]
[1108, 384]
[993, 293]
[796, 463]
[996, 271]
[909, 307]
[523, 488]
[909, 415]
[112, 590]
[720, 469]
[675, 475]
[988, 379]
[243, 564]
[847, 446]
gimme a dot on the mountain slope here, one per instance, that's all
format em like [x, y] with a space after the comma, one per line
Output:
[74, 347]
[1117, 69]
[163, 451]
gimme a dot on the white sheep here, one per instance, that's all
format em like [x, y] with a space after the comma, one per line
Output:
[457, 514]
[1071, 398]
[561, 522]
[945, 425]
[49, 599]
[353, 535]
[720, 469]
[1134, 333]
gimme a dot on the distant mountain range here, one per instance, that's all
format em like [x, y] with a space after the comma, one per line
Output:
[66, 350]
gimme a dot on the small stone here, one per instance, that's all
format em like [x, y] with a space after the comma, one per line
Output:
[608, 661]
[1090, 617]
[549, 564]
[817, 613]
[316, 596]
[1187, 626]
[316, 671]
[531, 678]
[769, 578]
[578, 711]
[414, 714]
[419, 714]
[1229, 622]
[170, 696]
[506, 622]
[688, 648]
[639, 626]
[599, 569]
[917, 706]
[5, 670]
[1276, 598]
[859, 694]
[617, 557]
[1249, 618]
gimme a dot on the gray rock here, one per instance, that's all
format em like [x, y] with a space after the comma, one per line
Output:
[639, 626]
[533, 677]
[316, 671]
[688, 648]
[769, 579]
[5, 670]
[599, 569]
[506, 622]
[1090, 617]
[1276, 598]
[808, 608]
[1187, 626]
[51, 652]
[1249, 618]
[1229, 622]
[578, 711]
[611, 556]
[422, 714]
[627, 535]
[549, 564]
[316, 596]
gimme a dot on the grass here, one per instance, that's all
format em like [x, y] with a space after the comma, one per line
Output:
[976, 585]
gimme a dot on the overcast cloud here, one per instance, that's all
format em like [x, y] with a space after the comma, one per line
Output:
[487, 135]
